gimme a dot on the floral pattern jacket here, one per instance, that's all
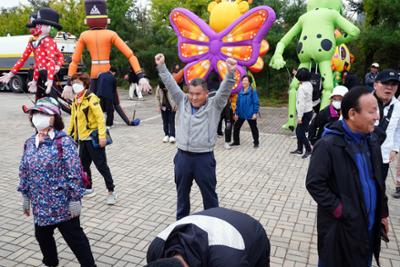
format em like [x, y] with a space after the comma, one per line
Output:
[50, 179]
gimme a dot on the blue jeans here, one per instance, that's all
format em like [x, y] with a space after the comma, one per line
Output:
[168, 118]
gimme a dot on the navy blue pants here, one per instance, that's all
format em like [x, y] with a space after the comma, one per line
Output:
[168, 118]
[201, 168]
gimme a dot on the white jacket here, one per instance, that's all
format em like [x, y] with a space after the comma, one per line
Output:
[392, 141]
[304, 101]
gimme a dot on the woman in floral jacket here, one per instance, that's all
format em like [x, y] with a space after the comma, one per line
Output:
[50, 181]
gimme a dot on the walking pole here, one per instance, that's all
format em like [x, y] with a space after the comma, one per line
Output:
[134, 111]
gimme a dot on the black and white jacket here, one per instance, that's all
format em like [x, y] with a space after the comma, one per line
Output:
[215, 237]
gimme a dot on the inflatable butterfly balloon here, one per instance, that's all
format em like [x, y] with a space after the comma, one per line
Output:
[205, 50]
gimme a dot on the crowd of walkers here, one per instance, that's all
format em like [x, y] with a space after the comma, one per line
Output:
[351, 142]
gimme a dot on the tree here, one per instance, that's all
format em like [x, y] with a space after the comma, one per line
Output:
[37, 4]
[379, 37]
[13, 21]
[381, 33]
[72, 15]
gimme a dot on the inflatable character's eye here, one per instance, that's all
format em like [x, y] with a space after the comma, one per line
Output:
[343, 53]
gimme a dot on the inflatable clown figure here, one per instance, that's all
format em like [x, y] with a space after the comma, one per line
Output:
[98, 40]
[234, 31]
[316, 46]
[48, 59]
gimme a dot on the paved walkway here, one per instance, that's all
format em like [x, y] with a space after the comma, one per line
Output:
[266, 183]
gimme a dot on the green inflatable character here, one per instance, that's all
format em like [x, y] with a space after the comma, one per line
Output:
[316, 45]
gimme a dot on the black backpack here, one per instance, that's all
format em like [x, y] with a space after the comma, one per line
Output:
[316, 81]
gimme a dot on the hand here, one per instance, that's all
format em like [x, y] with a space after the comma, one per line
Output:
[126, 77]
[74, 208]
[160, 59]
[6, 77]
[158, 109]
[299, 121]
[68, 92]
[57, 69]
[49, 85]
[385, 223]
[254, 117]
[174, 109]
[231, 64]
[144, 85]
[235, 117]
[277, 62]
[392, 156]
[32, 87]
[102, 142]
[26, 205]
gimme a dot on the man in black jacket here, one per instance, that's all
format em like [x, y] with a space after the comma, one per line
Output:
[215, 237]
[345, 179]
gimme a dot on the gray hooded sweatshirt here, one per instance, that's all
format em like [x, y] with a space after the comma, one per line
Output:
[197, 132]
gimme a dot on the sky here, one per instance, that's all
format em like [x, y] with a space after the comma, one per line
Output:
[13, 3]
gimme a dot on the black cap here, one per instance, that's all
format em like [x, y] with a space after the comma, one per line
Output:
[387, 75]
[47, 16]
[95, 8]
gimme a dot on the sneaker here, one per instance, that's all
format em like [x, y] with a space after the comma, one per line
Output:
[235, 144]
[396, 194]
[256, 145]
[89, 192]
[172, 140]
[227, 146]
[306, 154]
[296, 152]
[165, 139]
[219, 135]
[111, 199]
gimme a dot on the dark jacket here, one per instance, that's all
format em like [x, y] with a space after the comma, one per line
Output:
[370, 79]
[324, 117]
[106, 86]
[333, 180]
[215, 237]
[247, 104]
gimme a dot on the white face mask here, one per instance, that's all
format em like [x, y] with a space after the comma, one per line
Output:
[337, 104]
[77, 87]
[41, 121]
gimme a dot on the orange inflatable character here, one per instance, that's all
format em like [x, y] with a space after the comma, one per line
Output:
[98, 41]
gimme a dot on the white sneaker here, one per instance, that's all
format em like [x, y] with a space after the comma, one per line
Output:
[111, 199]
[172, 140]
[227, 146]
[165, 139]
[89, 193]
